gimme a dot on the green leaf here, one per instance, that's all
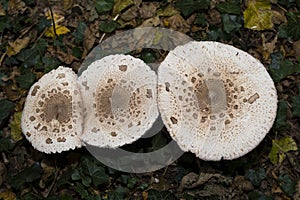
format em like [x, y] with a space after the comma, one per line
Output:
[280, 121]
[291, 30]
[49, 63]
[100, 177]
[6, 107]
[255, 195]
[148, 56]
[78, 34]
[76, 175]
[296, 106]
[160, 195]
[230, 23]
[28, 57]
[81, 190]
[287, 184]
[41, 46]
[256, 176]
[104, 5]
[200, 19]
[28, 175]
[286, 68]
[108, 27]
[5, 143]
[187, 7]
[117, 194]
[86, 180]
[258, 15]
[26, 80]
[229, 7]
[15, 127]
[280, 148]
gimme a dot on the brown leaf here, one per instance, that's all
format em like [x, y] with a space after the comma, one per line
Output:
[177, 22]
[2, 11]
[16, 46]
[296, 47]
[152, 22]
[268, 47]
[15, 7]
[278, 17]
[130, 14]
[148, 9]
[88, 42]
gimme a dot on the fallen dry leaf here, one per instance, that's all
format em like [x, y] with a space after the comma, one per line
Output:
[59, 30]
[2, 11]
[278, 17]
[268, 47]
[16, 46]
[148, 9]
[152, 22]
[167, 12]
[15, 7]
[88, 41]
[177, 22]
[296, 48]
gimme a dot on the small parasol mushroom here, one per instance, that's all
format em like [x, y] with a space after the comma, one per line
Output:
[119, 97]
[215, 100]
[52, 115]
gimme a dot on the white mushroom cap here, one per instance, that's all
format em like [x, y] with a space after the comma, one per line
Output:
[52, 115]
[215, 100]
[119, 94]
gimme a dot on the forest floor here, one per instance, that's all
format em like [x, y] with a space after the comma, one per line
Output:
[31, 46]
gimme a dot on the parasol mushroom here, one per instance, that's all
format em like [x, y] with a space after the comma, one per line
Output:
[216, 101]
[52, 115]
[119, 97]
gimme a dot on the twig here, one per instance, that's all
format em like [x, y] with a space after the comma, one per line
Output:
[52, 17]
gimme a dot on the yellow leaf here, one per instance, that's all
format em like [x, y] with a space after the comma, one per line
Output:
[8, 195]
[121, 5]
[16, 46]
[280, 147]
[258, 15]
[15, 127]
[60, 30]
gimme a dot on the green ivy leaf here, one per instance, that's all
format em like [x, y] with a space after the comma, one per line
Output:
[26, 80]
[229, 7]
[104, 5]
[6, 108]
[41, 46]
[256, 176]
[286, 68]
[287, 184]
[49, 63]
[28, 175]
[29, 57]
[200, 19]
[280, 148]
[291, 30]
[81, 191]
[78, 34]
[117, 194]
[230, 23]
[100, 177]
[160, 195]
[108, 27]
[280, 121]
[187, 7]
[5, 143]
[296, 106]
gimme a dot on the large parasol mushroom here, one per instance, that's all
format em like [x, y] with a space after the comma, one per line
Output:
[216, 100]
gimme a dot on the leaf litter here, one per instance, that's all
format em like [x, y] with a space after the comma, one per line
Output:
[270, 33]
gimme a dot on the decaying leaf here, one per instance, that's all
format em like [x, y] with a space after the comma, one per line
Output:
[148, 10]
[15, 7]
[16, 46]
[258, 15]
[193, 180]
[167, 11]
[8, 195]
[177, 22]
[296, 48]
[151, 22]
[280, 148]
[15, 127]
[2, 11]
[88, 41]
[121, 5]
[60, 30]
[268, 47]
